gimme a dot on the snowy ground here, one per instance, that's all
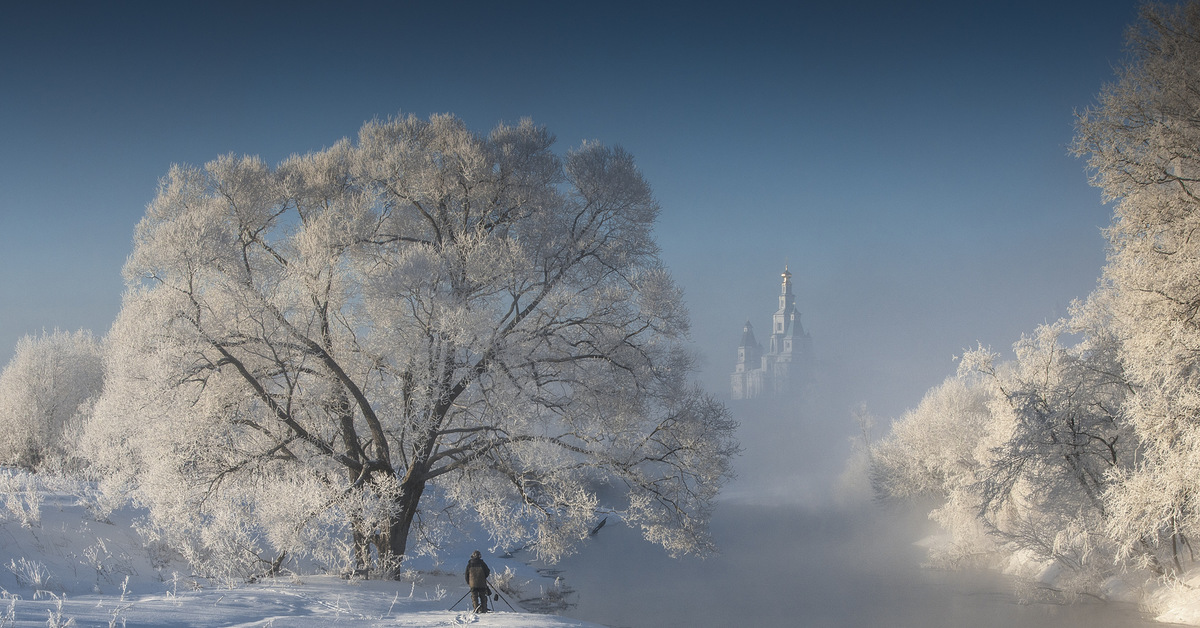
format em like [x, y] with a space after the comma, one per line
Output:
[61, 567]
[322, 601]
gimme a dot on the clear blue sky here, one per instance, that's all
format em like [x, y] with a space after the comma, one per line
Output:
[910, 164]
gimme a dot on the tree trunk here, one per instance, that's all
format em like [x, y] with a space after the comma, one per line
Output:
[394, 541]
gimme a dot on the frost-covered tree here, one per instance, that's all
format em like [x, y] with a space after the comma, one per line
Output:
[421, 326]
[933, 449]
[1142, 140]
[1020, 453]
[1057, 438]
[46, 392]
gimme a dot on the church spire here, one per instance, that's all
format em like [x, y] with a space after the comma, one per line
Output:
[787, 360]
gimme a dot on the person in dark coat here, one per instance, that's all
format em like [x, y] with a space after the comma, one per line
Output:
[477, 575]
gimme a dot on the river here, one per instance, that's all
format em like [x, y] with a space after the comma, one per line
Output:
[785, 566]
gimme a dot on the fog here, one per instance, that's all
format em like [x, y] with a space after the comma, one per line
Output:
[801, 540]
[801, 545]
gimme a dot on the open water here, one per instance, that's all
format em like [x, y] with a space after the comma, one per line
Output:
[784, 566]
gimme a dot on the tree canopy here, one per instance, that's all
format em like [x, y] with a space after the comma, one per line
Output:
[419, 328]
[1142, 140]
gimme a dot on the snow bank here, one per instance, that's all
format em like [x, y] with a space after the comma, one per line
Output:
[1176, 602]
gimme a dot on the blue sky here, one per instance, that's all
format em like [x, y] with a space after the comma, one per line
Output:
[910, 164]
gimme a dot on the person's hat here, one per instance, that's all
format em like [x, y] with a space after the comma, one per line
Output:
[475, 554]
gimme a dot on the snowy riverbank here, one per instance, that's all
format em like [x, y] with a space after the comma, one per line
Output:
[59, 565]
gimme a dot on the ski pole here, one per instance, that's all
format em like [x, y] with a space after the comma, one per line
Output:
[459, 600]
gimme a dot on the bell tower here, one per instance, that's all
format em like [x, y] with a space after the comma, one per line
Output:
[787, 361]
[786, 317]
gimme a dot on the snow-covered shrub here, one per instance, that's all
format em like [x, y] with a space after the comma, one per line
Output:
[56, 617]
[506, 581]
[46, 392]
[105, 563]
[30, 573]
[98, 502]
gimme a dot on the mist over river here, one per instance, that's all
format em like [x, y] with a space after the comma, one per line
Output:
[788, 566]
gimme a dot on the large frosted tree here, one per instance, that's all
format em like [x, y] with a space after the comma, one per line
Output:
[1142, 139]
[425, 325]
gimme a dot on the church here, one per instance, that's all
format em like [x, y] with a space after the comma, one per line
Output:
[782, 369]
